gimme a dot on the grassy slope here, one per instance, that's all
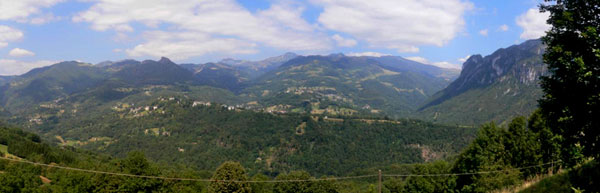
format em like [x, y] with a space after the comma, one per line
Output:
[4, 149]
[582, 177]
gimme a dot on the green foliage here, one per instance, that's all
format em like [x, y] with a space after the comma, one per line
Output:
[226, 179]
[572, 96]
[261, 187]
[20, 179]
[431, 184]
[136, 164]
[394, 185]
[28, 145]
[501, 149]
[302, 186]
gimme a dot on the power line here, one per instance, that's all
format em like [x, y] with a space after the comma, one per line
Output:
[181, 179]
[468, 173]
[270, 181]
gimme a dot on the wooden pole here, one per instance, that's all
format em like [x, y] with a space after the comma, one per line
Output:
[379, 186]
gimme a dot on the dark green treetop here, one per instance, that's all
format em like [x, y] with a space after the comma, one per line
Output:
[228, 178]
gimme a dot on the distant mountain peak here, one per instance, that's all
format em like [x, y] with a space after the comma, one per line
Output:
[290, 54]
[473, 59]
[165, 60]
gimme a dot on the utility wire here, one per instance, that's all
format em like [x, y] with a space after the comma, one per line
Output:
[469, 173]
[180, 179]
[268, 181]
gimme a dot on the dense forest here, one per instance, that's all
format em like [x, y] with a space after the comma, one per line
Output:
[497, 158]
[177, 130]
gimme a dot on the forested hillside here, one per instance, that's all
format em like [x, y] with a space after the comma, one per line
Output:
[206, 134]
[499, 157]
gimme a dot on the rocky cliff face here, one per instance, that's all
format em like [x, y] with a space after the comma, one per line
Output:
[495, 87]
[521, 62]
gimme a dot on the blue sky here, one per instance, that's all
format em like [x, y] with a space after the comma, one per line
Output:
[35, 33]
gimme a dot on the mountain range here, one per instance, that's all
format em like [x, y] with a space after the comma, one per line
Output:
[490, 88]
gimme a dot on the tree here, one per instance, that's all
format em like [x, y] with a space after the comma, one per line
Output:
[522, 146]
[548, 141]
[305, 186]
[289, 187]
[261, 187]
[571, 100]
[229, 177]
[488, 152]
[426, 184]
[136, 163]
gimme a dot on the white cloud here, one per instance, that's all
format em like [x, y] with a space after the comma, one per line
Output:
[280, 26]
[533, 23]
[503, 27]
[373, 54]
[15, 67]
[44, 19]
[343, 42]
[18, 52]
[483, 32]
[403, 25]
[418, 59]
[443, 64]
[182, 45]
[8, 34]
[464, 59]
[20, 10]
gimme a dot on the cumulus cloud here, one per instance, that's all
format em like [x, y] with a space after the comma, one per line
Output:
[343, 42]
[533, 23]
[20, 10]
[8, 34]
[483, 32]
[182, 45]
[403, 25]
[503, 27]
[443, 64]
[280, 26]
[16, 67]
[373, 54]
[18, 52]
